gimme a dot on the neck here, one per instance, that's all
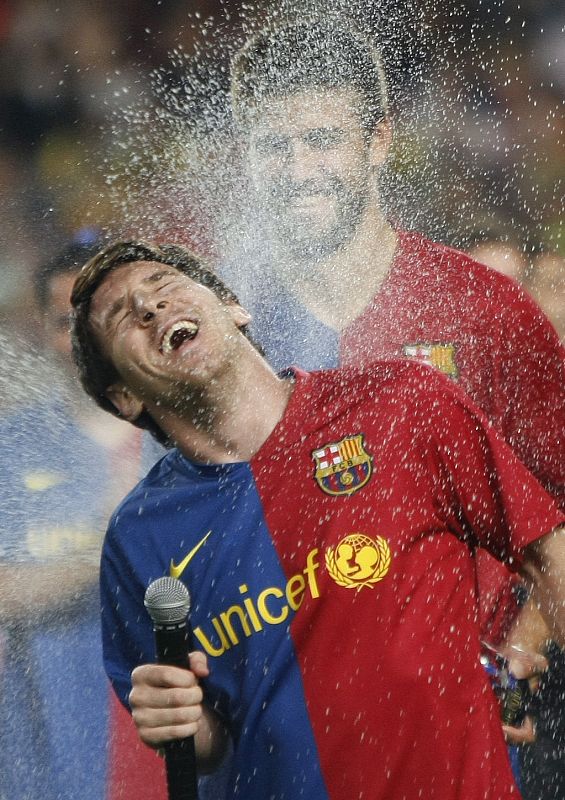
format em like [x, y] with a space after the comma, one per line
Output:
[231, 417]
[338, 289]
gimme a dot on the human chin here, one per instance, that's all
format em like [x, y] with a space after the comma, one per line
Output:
[307, 246]
[306, 218]
[313, 242]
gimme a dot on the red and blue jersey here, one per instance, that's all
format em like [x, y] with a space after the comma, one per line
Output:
[333, 588]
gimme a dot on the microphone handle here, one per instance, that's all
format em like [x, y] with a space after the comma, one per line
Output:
[172, 644]
[180, 761]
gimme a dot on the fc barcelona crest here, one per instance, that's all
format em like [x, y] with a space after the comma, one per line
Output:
[343, 467]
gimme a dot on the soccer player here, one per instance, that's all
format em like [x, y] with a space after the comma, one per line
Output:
[346, 285]
[325, 526]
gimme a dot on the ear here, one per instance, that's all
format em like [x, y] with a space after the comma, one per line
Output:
[239, 315]
[129, 406]
[380, 143]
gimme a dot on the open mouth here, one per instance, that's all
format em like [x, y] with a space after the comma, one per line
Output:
[180, 332]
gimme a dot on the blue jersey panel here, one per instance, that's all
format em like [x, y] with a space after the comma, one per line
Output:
[289, 333]
[205, 525]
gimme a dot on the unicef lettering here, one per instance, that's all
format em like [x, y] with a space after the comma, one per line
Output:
[271, 607]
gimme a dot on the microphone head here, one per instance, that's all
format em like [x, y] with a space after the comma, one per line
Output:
[167, 601]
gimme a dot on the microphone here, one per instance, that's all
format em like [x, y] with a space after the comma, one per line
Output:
[168, 602]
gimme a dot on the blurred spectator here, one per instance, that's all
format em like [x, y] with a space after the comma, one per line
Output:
[546, 283]
[63, 467]
[499, 252]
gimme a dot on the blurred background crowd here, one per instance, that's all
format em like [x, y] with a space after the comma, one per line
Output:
[477, 92]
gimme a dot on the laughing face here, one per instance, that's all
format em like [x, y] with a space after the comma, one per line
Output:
[311, 164]
[166, 335]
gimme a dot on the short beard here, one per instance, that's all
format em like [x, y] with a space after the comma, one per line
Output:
[311, 248]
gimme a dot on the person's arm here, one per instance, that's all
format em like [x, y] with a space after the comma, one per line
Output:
[523, 648]
[31, 591]
[525, 644]
[167, 704]
[541, 619]
[544, 569]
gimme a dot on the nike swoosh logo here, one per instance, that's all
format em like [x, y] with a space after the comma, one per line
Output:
[177, 570]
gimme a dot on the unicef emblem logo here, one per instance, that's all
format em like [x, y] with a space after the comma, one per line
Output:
[358, 561]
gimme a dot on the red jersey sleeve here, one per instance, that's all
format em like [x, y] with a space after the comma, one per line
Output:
[488, 494]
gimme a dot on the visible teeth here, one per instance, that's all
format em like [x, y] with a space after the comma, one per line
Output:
[178, 332]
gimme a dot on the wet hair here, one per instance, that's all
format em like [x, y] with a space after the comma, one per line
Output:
[306, 54]
[83, 246]
[96, 371]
